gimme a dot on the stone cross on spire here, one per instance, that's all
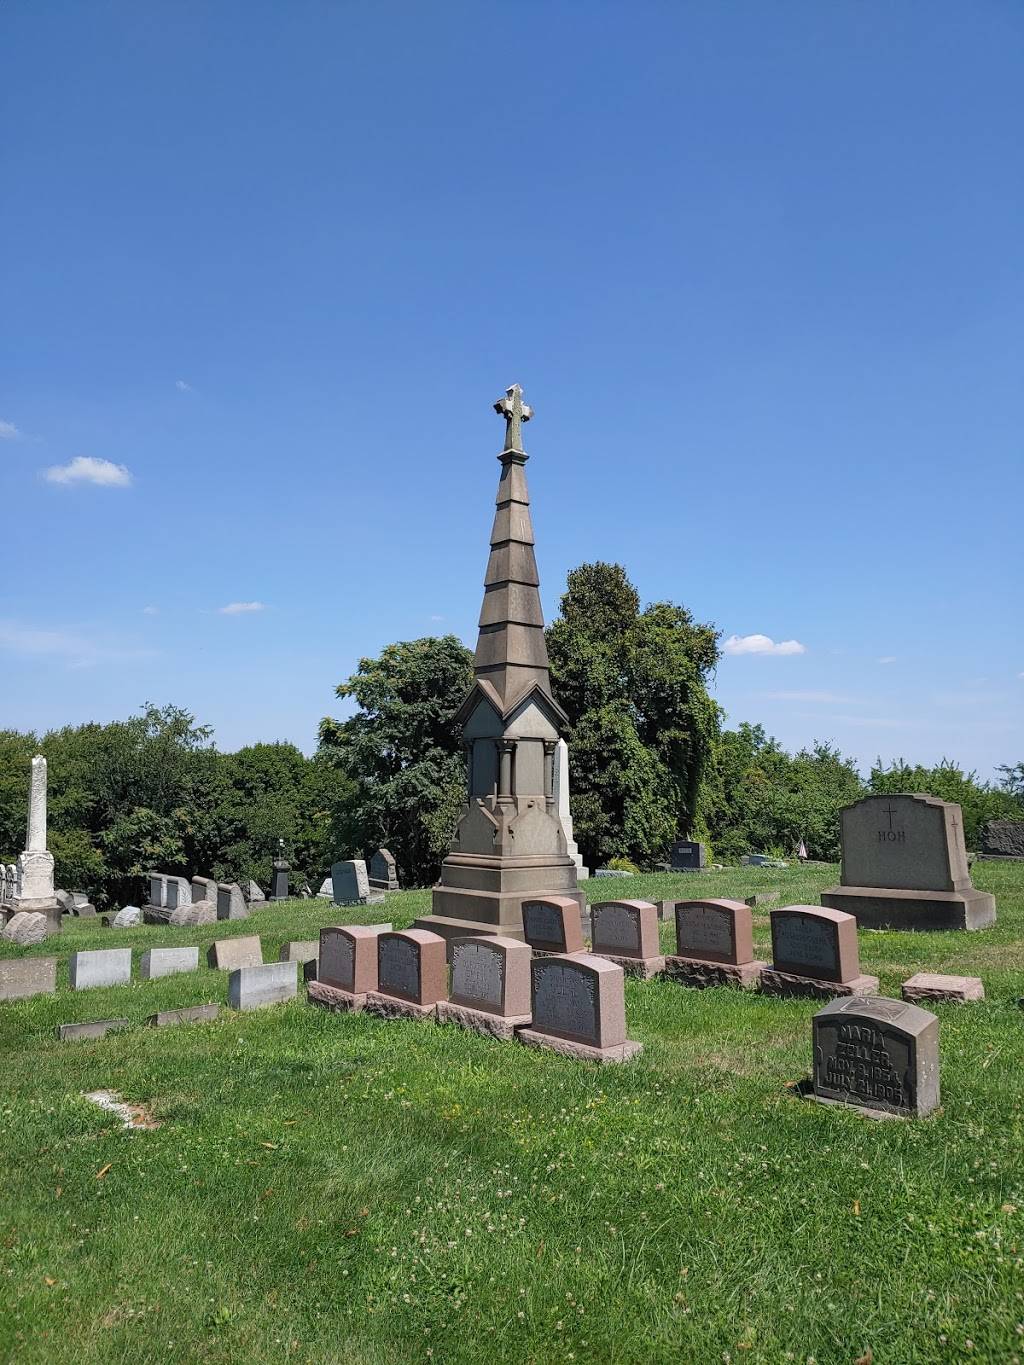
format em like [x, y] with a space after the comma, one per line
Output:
[515, 413]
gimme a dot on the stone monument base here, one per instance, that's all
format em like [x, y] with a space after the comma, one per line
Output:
[501, 1026]
[788, 983]
[642, 967]
[889, 908]
[334, 998]
[862, 1109]
[695, 971]
[390, 1007]
[621, 1052]
[44, 905]
[480, 894]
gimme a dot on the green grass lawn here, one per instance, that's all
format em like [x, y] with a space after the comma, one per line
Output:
[329, 1188]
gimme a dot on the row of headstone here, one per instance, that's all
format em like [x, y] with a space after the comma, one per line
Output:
[176, 900]
[574, 1004]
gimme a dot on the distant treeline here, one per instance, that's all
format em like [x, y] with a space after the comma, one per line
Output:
[649, 762]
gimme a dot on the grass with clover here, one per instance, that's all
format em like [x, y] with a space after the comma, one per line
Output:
[338, 1189]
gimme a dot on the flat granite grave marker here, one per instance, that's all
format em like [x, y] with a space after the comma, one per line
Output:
[250, 988]
[347, 967]
[714, 945]
[626, 933]
[905, 866]
[939, 986]
[412, 974]
[157, 962]
[191, 1014]
[228, 954]
[94, 1028]
[230, 902]
[579, 1009]
[100, 967]
[22, 977]
[880, 1056]
[815, 953]
[551, 924]
[490, 986]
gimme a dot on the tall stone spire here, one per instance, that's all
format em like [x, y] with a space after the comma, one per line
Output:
[511, 654]
[509, 845]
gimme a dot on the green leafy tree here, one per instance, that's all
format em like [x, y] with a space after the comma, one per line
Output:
[766, 799]
[401, 753]
[636, 681]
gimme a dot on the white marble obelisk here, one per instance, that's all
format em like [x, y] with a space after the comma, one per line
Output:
[35, 866]
[562, 806]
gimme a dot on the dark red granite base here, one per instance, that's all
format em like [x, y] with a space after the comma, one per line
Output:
[697, 972]
[786, 983]
[334, 998]
[479, 1021]
[390, 1007]
[580, 1051]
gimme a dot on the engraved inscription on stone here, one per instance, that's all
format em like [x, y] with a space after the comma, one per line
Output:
[565, 1000]
[865, 1064]
[478, 974]
[543, 923]
[805, 942]
[399, 967]
[616, 927]
[339, 966]
[703, 928]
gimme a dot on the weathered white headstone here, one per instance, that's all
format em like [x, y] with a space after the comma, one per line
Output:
[127, 918]
[250, 988]
[27, 926]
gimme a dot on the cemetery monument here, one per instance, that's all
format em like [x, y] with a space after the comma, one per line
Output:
[35, 890]
[905, 866]
[509, 845]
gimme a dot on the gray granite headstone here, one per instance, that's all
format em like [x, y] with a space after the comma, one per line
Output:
[686, 855]
[22, 977]
[878, 1054]
[100, 967]
[157, 962]
[27, 926]
[230, 902]
[179, 892]
[250, 988]
[352, 884]
[1003, 839]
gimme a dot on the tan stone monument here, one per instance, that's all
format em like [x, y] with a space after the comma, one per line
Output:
[35, 865]
[510, 844]
[905, 866]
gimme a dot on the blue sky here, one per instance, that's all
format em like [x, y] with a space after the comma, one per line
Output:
[758, 268]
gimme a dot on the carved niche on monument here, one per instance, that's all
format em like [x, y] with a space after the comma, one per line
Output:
[905, 866]
[510, 844]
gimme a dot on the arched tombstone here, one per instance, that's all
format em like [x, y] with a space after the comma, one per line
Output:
[579, 1009]
[626, 933]
[412, 974]
[714, 945]
[552, 924]
[815, 953]
[879, 1055]
[490, 990]
[347, 967]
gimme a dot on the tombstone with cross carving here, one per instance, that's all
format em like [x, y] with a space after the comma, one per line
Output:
[905, 866]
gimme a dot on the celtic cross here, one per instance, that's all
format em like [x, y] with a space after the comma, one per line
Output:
[515, 413]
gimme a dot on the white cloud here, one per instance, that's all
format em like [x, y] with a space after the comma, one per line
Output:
[182, 387]
[761, 644]
[9, 432]
[441, 618]
[78, 649]
[237, 608]
[830, 698]
[87, 469]
[887, 659]
[151, 611]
